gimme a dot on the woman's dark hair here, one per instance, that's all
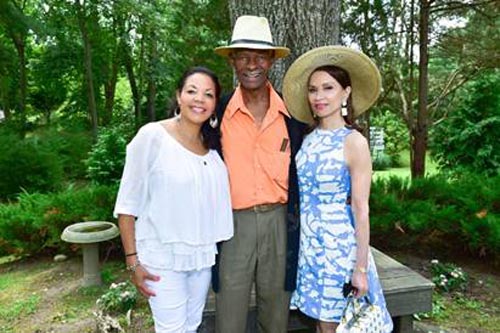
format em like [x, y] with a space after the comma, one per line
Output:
[210, 135]
[342, 77]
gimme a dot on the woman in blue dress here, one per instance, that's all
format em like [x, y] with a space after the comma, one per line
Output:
[328, 87]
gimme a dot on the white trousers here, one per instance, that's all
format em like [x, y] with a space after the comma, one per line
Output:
[180, 299]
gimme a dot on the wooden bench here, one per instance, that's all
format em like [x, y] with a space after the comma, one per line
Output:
[406, 292]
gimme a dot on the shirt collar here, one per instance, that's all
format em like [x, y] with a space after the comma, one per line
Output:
[275, 102]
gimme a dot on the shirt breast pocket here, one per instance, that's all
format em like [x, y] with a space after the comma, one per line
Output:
[281, 165]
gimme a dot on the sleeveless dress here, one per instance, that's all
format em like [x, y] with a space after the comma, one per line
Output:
[327, 254]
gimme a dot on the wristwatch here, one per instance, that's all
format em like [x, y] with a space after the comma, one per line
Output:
[133, 267]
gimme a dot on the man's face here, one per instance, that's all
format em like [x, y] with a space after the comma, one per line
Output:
[251, 67]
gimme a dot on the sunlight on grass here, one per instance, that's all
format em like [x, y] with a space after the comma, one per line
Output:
[431, 168]
[18, 296]
[20, 307]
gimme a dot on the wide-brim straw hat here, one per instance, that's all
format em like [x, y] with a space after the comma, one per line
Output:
[252, 32]
[366, 82]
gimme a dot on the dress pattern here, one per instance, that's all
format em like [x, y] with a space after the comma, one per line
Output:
[327, 254]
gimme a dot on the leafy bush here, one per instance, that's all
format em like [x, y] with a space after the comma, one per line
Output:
[438, 212]
[107, 158]
[71, 146]
[448, 277]
[36, 221]
[27, 164]
[395, 134]
[468, 139]
[381, 161]
[119, 298]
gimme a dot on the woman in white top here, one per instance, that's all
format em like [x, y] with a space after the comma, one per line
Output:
[173, 205]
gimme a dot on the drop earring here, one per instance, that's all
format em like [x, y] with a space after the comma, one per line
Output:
[343, 109]
[177, 111]
[213, 121]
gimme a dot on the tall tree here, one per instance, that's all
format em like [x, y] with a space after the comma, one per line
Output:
[298, 24]
[396, 29]
[83, 19]
[16, 24]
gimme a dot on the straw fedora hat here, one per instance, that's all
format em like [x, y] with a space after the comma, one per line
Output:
[366, 82]
[252, 32]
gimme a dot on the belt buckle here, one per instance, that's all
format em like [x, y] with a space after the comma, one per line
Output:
[262, 208]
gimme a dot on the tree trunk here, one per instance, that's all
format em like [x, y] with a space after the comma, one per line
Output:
[420, 132]
[297, 24]
[109, 91]
[153, 58]
[129, 67]
[87, 59]
[19, 42]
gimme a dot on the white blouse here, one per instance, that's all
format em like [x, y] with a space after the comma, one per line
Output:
[181, 201]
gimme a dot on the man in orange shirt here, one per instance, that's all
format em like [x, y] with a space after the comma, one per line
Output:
[259, 141]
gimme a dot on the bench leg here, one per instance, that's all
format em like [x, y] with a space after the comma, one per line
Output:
[403, 324]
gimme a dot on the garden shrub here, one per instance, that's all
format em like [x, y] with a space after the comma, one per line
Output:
[467, 141]
[448, 213]
[72, 146]
[448, 277]
[381, 161]
[27, 164]
[107, 157]
[395, 134]
[119, 298]
[35, 222]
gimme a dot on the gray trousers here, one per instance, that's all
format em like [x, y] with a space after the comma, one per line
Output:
[256, 254]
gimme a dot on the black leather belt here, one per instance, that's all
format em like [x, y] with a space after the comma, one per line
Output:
[261, 208]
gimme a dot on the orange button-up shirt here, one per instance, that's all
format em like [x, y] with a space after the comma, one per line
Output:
[257, 158]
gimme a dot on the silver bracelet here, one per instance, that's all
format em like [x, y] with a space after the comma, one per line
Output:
[133, 267]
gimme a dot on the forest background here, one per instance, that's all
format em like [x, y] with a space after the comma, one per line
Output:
[78, 78]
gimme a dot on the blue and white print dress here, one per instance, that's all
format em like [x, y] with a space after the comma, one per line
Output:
[327, 254]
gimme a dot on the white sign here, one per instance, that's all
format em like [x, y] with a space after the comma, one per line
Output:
[377, 138]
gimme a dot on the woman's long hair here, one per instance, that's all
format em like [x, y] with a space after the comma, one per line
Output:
[210, 135]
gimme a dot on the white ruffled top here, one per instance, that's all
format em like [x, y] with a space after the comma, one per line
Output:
[181, 201]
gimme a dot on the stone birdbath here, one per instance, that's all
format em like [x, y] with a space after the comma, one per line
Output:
[89, 234]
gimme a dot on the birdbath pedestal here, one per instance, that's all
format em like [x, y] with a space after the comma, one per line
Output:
[89, 234]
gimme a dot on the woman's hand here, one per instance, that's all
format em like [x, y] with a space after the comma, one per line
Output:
[359, 282]
[139, 277]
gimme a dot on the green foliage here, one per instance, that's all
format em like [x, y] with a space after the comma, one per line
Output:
[119, 298]
[381, 161]
[468, 139]
[72, 145]
[23, 306]
[107, 157]
[438, 212]
[27, 164]
[448, 277]
[438, 309]
[395, 134]
[36, 221]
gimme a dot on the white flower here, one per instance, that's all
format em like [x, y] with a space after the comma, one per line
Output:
[454, 274]
[434, 261]
[113, 286]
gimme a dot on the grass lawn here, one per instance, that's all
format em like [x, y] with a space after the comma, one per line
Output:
[404, 171]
